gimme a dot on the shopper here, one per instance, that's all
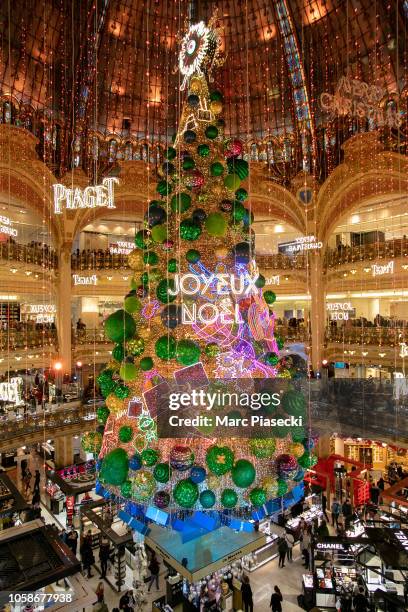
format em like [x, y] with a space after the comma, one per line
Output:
[100, 594]
[323, 530]
[27, 481]
[154, 567]
[380, 483]
[247, 594]
[37, 480]
[104, 553]
[290, 541]
[72, 540]
[347, 510]
[360, 601]
[87, 555]
[127, 601]
[282, 549]
[306, 546]
[324, 505]
[276, 600]
[335, 512]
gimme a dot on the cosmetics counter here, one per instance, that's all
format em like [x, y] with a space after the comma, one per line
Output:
[68, 489]
[268, 551]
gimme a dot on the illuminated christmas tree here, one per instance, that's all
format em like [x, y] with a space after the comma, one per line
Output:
[195, 310]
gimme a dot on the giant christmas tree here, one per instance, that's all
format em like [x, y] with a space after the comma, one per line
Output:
[196, 308]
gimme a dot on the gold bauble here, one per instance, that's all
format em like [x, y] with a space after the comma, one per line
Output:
[144, 332]
[135, 260]
[213, 482]
[271, 486]
[113, 365]
[195, 84]
[217, 191]
[221, 252]
[114, 404]
[216, 107]
[296, 449]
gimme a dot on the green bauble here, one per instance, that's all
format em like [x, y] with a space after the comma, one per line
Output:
[128, 372]
[269, 297]
[122, 391]
[125, 434]
[212, 349]
[162, 472]
[280, 342]
[216, 169]
[207, 498]
[119, 327]
[307, 460]
[298, 434]
[229, 498]
[260, 281]
[146, 364]
[170, 153]
[162, 291]
[149, 456]
[216, 96]
[118, 352]
[133, 284]
[189, 230]
[102, 414]
[219, 459]
[92, 442]
[188, 352]
[211, 132]
[165, 347]
[243, 473]
[132, 304]
[172, 266]
[188, 163]
[239, 166]
[282, 487]
[151, 258]
[241, 194]
[159, 233]
[238, 211]
[164, 188]
[143, 239]
[262, 448]
[126, 489]
[107, 388]
[257, 497]
[271, 358]
[281, 431]
[294, 403]
[203, 150]
[193, 255]
[185, 493]
[216, 224]
[114, 468]
[232, 181]
[136, 346]
[180, 202]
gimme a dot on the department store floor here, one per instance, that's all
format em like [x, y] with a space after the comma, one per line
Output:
[263, 580]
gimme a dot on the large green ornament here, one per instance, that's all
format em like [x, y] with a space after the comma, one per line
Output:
[193, 256]
[220, 459]
[260, 281]
[281, 431]
[294, 403]
[307, 460]
[120, 326]
[239, 166]
[125, 434]
[180, 202]
[257, 497]
[114, 468]
[171, 153]
[107, 388]
[186, 493]
[207, 498]
[203, 150]
[229, 498]
[269, 297]
[189, 230]
[146, 364]
[136, 346]
[128, 372]
[165, 347]
[149, 456]
[122, 391]
[241, 194]
[243, 473]
[162, 472]
[262, 448]
[238, 211]
[271, 358]
[298, 434]
[132, 304]
[187, 352]
[216, 224]
[164, 188]
[232, 181]
[159, 233]
[216, 169]
[126, 489]
[282, 487]
[143, 239]
[188, 163]
[163, 291]
[102, 414]
[150, 258]
[118, 352]
[211, 132]
[143, 486]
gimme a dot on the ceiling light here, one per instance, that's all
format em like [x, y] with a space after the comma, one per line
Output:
[381, 354]
[364, 353]
[13, 270]
[355, 219]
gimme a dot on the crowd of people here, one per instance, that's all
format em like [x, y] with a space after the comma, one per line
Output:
[98, 259]
[38, 253]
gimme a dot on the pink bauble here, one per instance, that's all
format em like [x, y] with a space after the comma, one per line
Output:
[286, 466]
[233, 148]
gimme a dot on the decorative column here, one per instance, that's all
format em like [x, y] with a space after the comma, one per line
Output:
[64, 452]
[64, 307]
[317, 308]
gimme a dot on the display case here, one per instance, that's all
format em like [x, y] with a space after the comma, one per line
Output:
[264, 554]
[293, 524]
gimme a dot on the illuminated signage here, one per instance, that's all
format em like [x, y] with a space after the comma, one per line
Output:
[85, 280]
[121, 248]
[273, 280]
[41, 313]
[329, 546]
[11, 391]
[379, 270]
[402, 539]
[340, 311]
[403, 349]
[90, 197]
[6, 227]
[354, 98]
[304, 243]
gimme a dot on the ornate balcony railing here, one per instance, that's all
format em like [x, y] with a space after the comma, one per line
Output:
[374, 336]
[12, 339]
[368, 252]
[40, 256]
[98, 260]
[278, 261]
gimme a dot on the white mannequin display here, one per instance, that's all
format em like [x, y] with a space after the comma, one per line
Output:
[140, 573]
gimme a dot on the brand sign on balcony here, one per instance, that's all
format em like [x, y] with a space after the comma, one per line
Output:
[6, 227]
[273, 280]
[379, 270]
[304, 243]
[121, 248]
[85, 280]
[11, 391]
[90, 197]
[341, 311]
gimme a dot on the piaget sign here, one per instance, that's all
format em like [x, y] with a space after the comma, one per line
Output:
[6, 227]
[85, 280]
[379, 270]
[90, 197]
